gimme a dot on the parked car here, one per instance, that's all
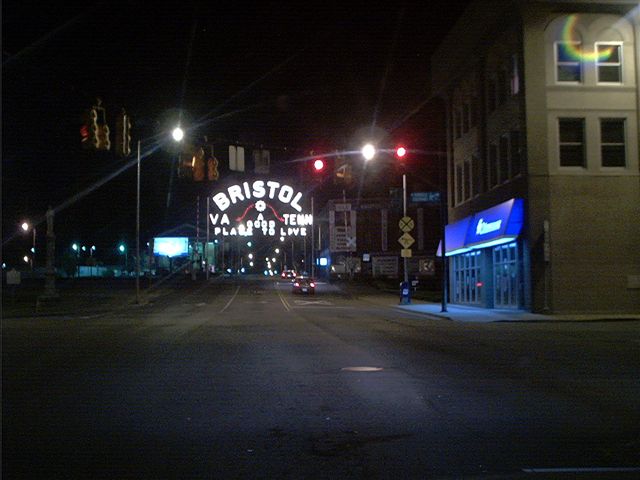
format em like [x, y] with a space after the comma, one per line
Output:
[304, 285]
[288, 274]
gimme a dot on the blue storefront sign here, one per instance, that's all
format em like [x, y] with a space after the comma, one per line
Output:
[494, 226]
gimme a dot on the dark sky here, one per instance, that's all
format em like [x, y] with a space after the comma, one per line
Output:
[308, 75]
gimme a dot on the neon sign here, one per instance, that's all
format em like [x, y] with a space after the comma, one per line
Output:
[487, 227]
[260, 214]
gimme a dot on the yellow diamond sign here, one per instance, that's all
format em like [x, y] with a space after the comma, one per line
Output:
[406, 240]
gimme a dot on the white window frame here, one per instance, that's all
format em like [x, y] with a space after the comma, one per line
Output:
[558, 63]
[623, 144]
[609, 64]
[583, 143]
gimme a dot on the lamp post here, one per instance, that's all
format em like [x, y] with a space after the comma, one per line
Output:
[76, 249]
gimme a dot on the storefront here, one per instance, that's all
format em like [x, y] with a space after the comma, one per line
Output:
[488, 259]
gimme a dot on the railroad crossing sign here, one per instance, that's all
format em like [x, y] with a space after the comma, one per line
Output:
[406, 224]
[406, 240]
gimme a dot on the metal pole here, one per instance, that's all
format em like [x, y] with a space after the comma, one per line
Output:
[206, 245]
[313, 245]
[138, 230]
[404, 214]
[443, 221]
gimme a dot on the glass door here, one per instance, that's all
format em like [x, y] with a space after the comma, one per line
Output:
[505, 276]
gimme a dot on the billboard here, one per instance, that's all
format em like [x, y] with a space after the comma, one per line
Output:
[171, 246]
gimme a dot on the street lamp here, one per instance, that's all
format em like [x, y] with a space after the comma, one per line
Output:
[368, 152]
[25, 227]
[177, 134]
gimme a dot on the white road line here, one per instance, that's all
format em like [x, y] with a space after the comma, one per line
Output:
[287, 307]
[232, 299]
[582, 470]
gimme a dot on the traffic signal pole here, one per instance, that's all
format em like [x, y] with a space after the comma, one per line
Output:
[404, 214]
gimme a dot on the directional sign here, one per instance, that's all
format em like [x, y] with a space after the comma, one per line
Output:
[406, 224]
[406, 240]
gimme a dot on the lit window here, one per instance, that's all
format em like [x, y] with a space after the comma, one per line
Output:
[609, 62]
[568, 68]
[571, 141]
[515, 75]
[612, 148]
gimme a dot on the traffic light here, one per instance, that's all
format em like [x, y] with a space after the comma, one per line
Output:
[401, 152]
[123, 134]
[318, 165]
[212, 169]
[89, 130]
[199, 166]
[94, 132]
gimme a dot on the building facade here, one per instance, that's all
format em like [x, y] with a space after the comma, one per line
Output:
[542, 113]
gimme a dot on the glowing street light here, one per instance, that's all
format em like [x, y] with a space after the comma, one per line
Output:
[368, 152]
[177, 134]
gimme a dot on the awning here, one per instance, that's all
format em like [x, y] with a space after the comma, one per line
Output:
[494, 226]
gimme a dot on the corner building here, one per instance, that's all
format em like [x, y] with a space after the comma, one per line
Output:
[541, 101]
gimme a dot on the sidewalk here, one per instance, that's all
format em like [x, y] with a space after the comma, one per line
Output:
[460, 313]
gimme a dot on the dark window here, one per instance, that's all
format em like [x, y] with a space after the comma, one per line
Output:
[516, 162]
[571, 136]
[504, 159]
[493, 165]
[609, 63]
[568, 61]
[459, 182]
[458, 123]
[475, 174]
[467, 180]
[612, 145]
[491, 95]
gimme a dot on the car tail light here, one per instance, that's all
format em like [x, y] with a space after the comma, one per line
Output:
[296, 284]
[312, 285]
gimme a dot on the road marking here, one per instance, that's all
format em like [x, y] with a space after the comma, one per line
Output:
[312, 302]
[287, 307]
[582, 470]
[232, 299]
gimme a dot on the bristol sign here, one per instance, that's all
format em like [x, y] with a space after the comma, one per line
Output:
[267, 208]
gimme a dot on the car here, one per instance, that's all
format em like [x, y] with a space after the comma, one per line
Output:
[304, 285]
[288, 274]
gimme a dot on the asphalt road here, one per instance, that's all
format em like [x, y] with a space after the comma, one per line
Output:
[239, 378]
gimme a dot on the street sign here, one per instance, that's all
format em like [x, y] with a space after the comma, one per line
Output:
[425, 197]
[405, 253]
[406, 224]
[427, 266]
[406, 240]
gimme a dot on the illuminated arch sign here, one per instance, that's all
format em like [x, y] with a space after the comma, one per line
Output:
[260, 207]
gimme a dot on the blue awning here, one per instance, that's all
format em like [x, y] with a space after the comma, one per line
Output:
[494, 226]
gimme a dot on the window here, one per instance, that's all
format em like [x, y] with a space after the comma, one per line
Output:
[458, 184]
[609, 62]
[516, 164]
[467, 180]
[491, 95]
[571, 141]
[476, 178]
[612, 148]
[515, 75]
[493, 165]
[568, 58]
[504, 159]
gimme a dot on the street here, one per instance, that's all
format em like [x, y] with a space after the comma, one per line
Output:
[239, 378]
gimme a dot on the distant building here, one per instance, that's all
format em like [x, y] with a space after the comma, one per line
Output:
[542, 113]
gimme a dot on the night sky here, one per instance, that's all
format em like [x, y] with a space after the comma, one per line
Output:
[305, 76]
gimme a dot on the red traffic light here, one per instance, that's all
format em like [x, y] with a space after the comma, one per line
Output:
[318, 164]
[401, 152]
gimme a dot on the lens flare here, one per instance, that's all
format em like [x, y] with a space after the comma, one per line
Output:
[574, 50]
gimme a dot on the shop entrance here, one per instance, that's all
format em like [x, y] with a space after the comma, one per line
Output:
[505, 276]
[467, 278]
